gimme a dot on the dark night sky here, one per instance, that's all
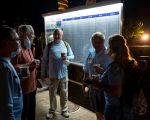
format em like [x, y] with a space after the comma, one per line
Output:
[18, 10]
[138, 9]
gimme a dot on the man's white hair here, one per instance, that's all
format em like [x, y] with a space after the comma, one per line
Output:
[99, 35]
[30, 28]
[25, 28]
[59, 30]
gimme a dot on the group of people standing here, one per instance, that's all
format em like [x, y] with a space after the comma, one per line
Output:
[17, 93]
[103, 78]
[18, 73]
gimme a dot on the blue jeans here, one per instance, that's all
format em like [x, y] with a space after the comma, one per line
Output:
[112, 112]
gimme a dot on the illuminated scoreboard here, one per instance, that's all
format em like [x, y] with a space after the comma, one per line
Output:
[80, 23]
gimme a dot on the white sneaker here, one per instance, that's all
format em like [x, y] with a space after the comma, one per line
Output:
[65, 114]
[50, 115]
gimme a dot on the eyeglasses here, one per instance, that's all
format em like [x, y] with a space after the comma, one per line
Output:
[15, 40]
[32, 36]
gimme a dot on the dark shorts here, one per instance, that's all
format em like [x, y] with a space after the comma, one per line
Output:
[97, 100]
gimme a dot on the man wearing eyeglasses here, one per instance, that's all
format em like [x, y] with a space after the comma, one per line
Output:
[26, 66]
[11, 103]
